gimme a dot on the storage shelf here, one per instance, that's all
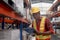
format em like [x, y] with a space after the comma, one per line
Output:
[7, 11]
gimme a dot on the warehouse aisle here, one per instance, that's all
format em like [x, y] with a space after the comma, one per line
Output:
[16, 17]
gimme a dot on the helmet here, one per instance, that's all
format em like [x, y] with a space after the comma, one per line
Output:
[35, 10]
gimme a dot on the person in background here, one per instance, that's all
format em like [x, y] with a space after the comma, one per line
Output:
[41, 25]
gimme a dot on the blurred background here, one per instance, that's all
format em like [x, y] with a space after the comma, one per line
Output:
[15, 12]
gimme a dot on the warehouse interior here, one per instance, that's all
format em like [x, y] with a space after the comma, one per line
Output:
[16, 17]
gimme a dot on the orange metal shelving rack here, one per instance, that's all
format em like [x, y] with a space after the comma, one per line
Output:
[7, 11]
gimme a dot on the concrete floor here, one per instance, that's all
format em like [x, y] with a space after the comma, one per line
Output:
[54, 37]
[9, 35]
[14, 35]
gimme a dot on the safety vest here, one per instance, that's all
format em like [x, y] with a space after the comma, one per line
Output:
[41, 29]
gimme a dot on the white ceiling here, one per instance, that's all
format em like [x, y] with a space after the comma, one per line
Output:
[43, 4]
[43, 7]
[46, 1]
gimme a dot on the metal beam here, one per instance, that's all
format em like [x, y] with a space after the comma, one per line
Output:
[21, 26]
[38, 1]
[3, 23]
[9, 12]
